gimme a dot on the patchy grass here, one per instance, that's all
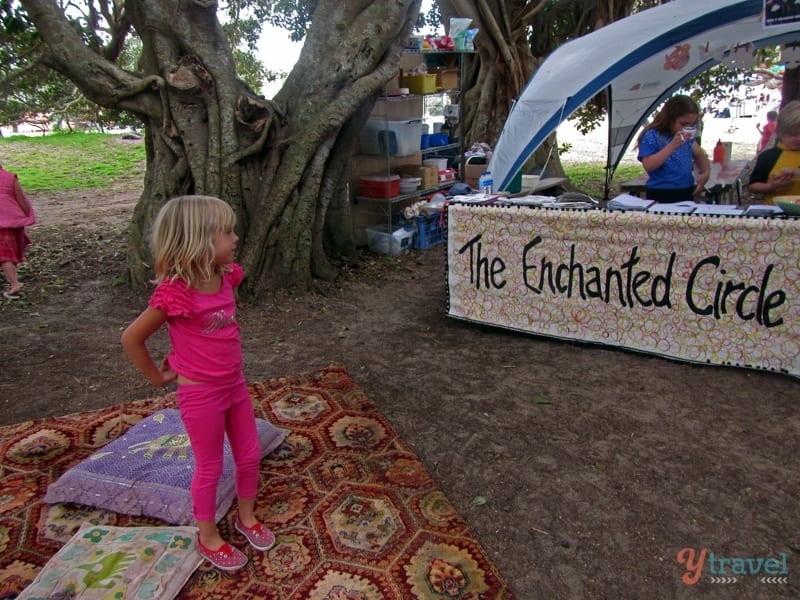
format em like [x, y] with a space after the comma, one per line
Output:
[65, 161]
[590, 177]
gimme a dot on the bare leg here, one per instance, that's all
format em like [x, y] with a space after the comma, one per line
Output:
[10, 270]
[247, 514]
[209, 535]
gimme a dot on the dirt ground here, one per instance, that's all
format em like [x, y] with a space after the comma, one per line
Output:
[582, 470]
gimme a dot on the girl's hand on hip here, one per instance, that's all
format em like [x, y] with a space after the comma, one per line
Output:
[167, 373]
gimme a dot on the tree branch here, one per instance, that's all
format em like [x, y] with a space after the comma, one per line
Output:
[494, 30]
[532, 11]
[101, 81]
[262, 124]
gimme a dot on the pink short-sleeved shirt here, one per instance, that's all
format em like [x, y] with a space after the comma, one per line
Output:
[206, 346]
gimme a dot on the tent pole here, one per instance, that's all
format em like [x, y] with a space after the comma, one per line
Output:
[609, 176]
[609, 170]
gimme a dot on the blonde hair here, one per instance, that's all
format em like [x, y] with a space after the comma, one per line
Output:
[789, 119]
[183, 237]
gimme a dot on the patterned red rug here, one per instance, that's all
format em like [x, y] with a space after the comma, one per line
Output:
[356, 514]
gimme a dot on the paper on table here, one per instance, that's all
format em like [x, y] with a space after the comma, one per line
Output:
[629, 202]
[718, 209]
[479, 198]
[685, 207]
[532, 200]
[762, 210]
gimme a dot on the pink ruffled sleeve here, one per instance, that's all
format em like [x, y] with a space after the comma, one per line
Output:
[173, 297]
[235, 275]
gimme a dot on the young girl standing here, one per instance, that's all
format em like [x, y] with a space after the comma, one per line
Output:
[669, 152]
[16, 212]
[193, 248]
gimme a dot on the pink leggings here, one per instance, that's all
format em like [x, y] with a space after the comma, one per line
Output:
[210, 410]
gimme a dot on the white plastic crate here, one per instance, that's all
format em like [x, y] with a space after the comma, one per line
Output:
[396, 138]
[394, 243]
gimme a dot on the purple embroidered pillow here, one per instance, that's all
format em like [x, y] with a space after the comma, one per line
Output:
[148, 470]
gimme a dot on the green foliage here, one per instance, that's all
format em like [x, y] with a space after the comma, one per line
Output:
[31, 92]
[251, 70]
[64, 161]
[19, 43]
[291, 15]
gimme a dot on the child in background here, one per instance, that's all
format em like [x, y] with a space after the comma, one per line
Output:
[776, 170]
[16, 212]
[193, 249]
[669, 152]
[767, 131]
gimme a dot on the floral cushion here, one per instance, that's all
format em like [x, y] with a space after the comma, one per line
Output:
[101, 562]
[148, 470]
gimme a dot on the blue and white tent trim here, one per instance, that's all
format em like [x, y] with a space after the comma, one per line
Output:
[639, 62]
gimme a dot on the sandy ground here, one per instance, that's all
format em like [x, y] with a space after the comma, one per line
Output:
[741, 132]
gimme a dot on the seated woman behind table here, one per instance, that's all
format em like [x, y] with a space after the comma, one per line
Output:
[777, 169]
[669, 152]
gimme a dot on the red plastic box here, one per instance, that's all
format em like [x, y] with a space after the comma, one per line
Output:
[380, 186]
[447, 175]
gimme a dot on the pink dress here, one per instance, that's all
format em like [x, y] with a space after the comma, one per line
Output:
[13, 238]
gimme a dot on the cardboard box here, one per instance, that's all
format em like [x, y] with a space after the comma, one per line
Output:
[472, 171]
[400, 108]
[446, 78]
[429, 175]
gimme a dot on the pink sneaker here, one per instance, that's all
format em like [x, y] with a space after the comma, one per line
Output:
[259, 536]
[226, 557]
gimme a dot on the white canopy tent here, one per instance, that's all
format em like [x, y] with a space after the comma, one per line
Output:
[638, 61]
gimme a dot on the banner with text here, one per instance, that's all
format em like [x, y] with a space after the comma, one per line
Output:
[720, 290]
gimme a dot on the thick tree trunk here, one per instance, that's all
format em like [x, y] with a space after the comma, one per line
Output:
[282, 164]
[502, 66]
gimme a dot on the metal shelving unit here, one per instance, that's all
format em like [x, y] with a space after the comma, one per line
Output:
[388, 203]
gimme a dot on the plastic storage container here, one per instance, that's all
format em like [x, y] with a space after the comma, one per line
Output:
[382, 241]
[422, 83]
[440, 164]
[380, 186]
[447, 175]
[429, 231]
[409, 184]
[390, 138]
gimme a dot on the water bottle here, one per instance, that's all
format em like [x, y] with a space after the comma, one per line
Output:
[485, 182]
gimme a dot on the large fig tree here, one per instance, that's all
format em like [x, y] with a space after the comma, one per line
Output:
[282, 163]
